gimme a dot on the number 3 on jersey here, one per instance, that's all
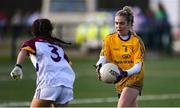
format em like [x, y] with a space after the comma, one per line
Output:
[54, 51]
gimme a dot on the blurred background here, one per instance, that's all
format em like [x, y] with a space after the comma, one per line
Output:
[85, 23]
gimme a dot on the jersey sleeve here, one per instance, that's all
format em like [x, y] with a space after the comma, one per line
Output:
[29, 46]
[139, 52]
[106, 48]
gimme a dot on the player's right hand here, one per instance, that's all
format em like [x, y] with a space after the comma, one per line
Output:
[121, 75]
[17, 73]
[98, 67]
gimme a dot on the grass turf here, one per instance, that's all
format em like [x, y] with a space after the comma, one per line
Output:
[161, 77]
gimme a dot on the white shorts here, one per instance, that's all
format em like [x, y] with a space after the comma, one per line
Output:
[59, 95]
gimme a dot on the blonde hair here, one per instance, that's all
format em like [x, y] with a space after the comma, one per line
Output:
[127, 12]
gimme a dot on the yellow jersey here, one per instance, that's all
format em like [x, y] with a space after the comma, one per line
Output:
[125, 54]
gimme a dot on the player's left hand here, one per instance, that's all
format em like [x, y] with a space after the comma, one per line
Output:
[122, 74]
[17, 73]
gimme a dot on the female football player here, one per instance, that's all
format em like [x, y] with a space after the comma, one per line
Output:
[125, 49]
[55, 76]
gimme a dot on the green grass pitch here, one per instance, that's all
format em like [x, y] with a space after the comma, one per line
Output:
[162, 78]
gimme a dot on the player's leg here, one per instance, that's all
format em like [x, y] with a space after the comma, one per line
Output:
[45, 97]
[60, 105]
[128, 97]
[135, 105]
[41, 103]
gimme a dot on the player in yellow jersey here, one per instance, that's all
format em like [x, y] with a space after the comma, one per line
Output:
[125, 49]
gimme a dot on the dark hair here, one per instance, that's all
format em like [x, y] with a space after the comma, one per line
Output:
[43, 28]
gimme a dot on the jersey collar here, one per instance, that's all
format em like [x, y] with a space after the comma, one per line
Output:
[129, 35]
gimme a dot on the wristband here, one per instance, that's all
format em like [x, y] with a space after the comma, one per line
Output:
[18, 65]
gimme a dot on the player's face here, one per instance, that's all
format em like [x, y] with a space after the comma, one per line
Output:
[121, 25]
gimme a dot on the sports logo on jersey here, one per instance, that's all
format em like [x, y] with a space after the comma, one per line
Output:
[126, 56]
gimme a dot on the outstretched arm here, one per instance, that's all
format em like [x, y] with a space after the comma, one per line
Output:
[17, 73]
[21, 56]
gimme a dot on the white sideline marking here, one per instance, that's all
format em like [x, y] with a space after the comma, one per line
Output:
[103, 100]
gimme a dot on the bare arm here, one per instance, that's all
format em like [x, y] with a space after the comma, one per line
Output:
[17, 73]
[21, 56]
